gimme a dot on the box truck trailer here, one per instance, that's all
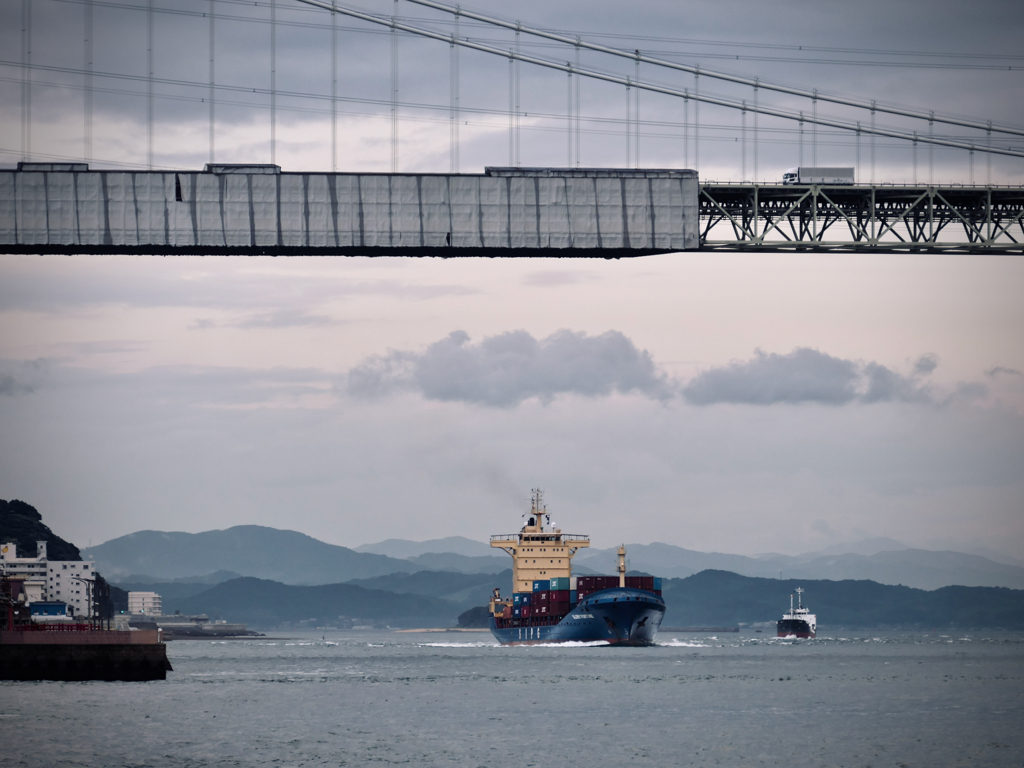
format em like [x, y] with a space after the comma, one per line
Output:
[805, 175]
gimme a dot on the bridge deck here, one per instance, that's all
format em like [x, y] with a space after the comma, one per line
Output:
[259, 210]
[511, 212]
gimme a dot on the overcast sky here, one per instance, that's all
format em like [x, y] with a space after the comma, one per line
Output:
[959, 59]
[741, 403]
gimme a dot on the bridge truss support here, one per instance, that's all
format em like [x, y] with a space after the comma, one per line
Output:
[885, 219]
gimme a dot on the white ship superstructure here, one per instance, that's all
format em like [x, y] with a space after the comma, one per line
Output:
[799, 622]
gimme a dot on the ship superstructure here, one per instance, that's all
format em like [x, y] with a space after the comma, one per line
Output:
[550, 605]
[799, 622]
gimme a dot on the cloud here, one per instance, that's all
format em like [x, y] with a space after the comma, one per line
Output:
[22, 377]
[1001, 371]
[885, 385]
[504, 370]
[925, 365]
[807, 376]
[804, 375]
[242, 287]
[284, 318]
[280, 318]
[556, 277]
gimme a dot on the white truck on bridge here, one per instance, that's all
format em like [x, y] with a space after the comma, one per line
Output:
[806, 175]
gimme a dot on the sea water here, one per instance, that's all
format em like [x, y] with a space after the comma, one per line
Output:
[458, 699]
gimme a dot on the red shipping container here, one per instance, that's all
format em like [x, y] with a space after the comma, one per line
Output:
[543, 609]
[640, 582]
[542, 596]
[524, 611]
[560, 596]
[560, 608]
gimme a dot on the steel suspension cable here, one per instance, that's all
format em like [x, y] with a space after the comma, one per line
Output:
[695, 69]
[684, 93]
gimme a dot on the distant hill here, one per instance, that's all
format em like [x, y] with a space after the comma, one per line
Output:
[294, 558]
[251, 550]
[266, 604]
[404, 548]
[449, 561]
[720, 598]
[207, 579]
[919, 568]
[465, 590]
[709, 598]
[176, 589]
[866, 547]
[21, 523]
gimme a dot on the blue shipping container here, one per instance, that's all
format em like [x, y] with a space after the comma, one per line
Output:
[657, 582]
[516, 612]
[542, 586]
[573, 599]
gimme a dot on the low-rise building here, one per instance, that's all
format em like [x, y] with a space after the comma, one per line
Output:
[51, 611]
[67, 581]
[148, 603]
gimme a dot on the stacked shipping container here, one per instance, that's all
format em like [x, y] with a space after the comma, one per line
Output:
[556, 597]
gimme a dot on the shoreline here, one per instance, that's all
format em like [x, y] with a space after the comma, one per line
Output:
[441, 629]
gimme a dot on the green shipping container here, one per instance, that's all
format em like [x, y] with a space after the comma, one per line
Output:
[560, 582]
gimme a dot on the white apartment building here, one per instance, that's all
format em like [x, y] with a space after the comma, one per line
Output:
[69, 581]
[148, 603]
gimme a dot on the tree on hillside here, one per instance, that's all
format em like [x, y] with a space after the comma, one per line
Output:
[22, 524]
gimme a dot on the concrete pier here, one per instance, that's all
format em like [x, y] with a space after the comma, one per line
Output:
[74, 656]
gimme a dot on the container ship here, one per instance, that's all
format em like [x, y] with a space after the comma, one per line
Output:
[550, 605]
[799, 622]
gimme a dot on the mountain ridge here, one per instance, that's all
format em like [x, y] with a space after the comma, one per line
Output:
[919, 568]
[708, 598]
[295, 558]
[722, 598]
[250, 550]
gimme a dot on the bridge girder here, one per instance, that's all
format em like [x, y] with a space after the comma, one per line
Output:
[872, 218]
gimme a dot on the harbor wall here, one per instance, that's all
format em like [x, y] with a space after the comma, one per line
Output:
[52, 634]
[49, 208]
[83, 661]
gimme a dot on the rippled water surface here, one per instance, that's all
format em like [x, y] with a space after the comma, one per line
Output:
[458, 699]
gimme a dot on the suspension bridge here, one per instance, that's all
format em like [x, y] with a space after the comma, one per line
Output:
[60, 204]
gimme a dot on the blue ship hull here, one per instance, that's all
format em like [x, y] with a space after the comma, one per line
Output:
[619, 616]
